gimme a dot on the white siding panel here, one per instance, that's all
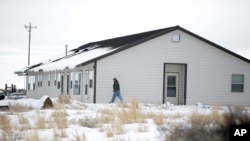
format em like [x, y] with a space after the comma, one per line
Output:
[40, 91]
[140, 72]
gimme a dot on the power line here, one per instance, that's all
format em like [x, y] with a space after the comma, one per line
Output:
[29, 27]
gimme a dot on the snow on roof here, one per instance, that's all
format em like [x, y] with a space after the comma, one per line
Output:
[73, 60]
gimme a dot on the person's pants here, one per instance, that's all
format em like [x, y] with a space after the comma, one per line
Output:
[116, 94]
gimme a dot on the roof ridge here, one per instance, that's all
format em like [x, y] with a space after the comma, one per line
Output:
[121, 40]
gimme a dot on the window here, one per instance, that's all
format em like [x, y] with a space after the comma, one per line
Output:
[237, 83]
[58, 80]
[77, 84]
[31, 83]
[71, 80]
[91, 75]
[55, 79]
[49, 79]
[40, 80]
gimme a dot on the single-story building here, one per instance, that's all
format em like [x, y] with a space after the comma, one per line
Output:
[165, 65]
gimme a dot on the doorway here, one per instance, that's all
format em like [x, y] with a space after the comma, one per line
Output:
[174, 87]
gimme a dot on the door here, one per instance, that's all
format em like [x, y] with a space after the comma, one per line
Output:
[171, 87]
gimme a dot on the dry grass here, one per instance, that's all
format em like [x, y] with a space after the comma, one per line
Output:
[60, 118]
[213, 126]
[142, 127]
[5, 124]
[33, 136]
[89, 122]
[109, 133]
[22, 119]
[108, 116]
[132, 114]
[79, 137]
[59, 133]
[19, 107]
[205, 119]
[158, 118]
[40, 120]
[64, 99]
[126, 113]
[24, 123]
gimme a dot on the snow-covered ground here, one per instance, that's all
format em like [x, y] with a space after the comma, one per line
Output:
[76, 121]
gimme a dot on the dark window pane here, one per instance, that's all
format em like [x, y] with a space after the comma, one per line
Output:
[171, 92]
[237, 87]
[171, 80]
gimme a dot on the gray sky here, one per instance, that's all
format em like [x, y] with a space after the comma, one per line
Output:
[76, 22]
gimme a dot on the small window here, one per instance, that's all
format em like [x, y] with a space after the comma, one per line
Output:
[237, 83]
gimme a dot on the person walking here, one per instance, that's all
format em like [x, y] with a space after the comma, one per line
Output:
[116, 91]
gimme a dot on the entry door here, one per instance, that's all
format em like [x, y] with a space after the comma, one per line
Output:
[171, 87]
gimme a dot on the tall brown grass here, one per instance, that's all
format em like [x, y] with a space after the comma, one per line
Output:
[64, 99]
[60, 118]
[210, 127]
[158, 118]
[17, 107]
[33, 136]
[5, 124]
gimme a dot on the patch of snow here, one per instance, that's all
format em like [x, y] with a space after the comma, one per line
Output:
[174, 115]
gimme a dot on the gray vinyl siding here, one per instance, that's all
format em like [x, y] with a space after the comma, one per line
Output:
[40, 91]
[140, 71]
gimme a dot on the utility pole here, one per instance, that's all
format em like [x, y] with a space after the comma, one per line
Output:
[29, 27]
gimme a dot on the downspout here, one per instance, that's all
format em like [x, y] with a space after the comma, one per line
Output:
[95, 68]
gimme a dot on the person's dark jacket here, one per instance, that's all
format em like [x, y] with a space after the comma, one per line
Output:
[116, 86]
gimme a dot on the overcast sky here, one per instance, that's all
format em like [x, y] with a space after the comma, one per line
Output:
[76, 22]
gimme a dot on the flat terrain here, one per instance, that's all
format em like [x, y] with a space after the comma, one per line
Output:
[70, 120]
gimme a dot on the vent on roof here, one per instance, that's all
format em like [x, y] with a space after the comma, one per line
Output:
[176, 38]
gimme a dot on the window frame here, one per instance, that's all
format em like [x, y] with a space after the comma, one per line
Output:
[237, 83]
